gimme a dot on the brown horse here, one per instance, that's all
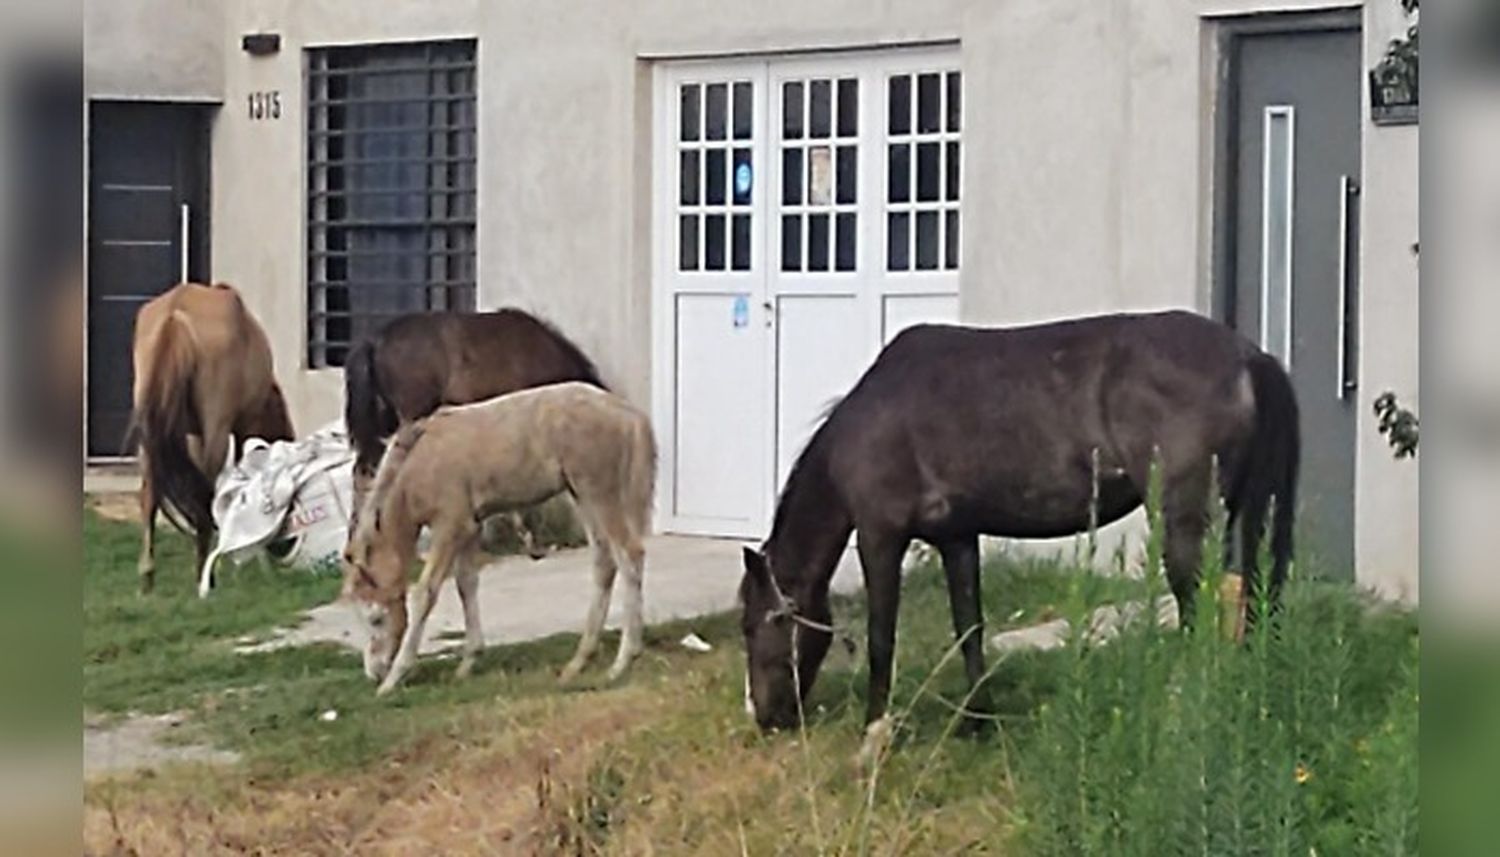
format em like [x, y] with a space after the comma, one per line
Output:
[1025, 432]
[419, 362]
[203, 372]
[447, 472]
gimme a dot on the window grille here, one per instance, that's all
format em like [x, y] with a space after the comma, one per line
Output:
[391, 142]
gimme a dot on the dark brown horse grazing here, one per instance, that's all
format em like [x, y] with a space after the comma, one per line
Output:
[203, 372]
[955, 432]
[419, 362]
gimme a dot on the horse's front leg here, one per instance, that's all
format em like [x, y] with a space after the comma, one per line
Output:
[439, 562]
[880, 558]
[961, 565]
[524, 520]
[467, 579]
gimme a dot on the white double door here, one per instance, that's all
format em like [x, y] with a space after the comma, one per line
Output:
[806, 210]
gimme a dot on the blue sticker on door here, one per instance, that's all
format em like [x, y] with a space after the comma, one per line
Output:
[742, 182]
[741, 310]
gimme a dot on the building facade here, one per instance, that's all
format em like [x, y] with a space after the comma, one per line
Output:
[733, 206]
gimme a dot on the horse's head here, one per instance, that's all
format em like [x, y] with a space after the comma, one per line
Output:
[776, 633]
[374, 587]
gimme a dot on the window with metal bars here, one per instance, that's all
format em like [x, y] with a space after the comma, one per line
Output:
[391, 134]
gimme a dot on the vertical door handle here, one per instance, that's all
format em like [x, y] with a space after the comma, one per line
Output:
[1348, 213]
[183, 216]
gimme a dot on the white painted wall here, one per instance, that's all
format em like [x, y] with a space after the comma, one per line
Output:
[1385, 508]
[259, 177]
[159, 49]
[566, 159]
[1087, 152]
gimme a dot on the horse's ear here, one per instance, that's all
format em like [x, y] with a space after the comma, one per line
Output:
[756, 568]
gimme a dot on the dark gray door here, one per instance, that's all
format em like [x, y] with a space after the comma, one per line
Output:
[1296, 153]
[148, 186]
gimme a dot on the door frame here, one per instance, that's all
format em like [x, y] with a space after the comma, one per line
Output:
[1223, 35]
[201, 250]
[766, 70]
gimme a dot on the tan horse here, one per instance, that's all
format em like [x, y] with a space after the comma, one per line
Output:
[203, 372]
[451, 470]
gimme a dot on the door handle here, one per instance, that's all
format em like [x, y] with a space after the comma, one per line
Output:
[1348, 212]
[184, 215]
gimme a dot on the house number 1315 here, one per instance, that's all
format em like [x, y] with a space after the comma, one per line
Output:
[265, 105]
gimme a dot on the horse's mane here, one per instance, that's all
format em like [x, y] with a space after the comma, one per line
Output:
[589, 370]
[395, 455]
[803, 465]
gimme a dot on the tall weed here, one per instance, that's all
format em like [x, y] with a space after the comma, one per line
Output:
[1299, 740]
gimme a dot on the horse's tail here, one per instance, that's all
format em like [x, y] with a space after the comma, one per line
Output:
[275, 421]
[1272, 465]
[165, 413]
[367, 416]
[386, 472]
[640, 474]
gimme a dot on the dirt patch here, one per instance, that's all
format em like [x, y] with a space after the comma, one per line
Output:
[488, 786]
[116, 506]
[139, 743]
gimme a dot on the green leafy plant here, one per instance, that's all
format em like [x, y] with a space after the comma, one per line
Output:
[1398, 424]
[1396, 76]
[1299, 740]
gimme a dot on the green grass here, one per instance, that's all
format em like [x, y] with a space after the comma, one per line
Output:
[1159, 743]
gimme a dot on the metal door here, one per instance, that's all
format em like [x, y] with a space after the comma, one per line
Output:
[1297, 163]
[148, 230]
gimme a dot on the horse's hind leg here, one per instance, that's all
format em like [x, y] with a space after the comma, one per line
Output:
[604, 581]
[1185, 515]
[467, 579]
[145, 566]
[631, 556]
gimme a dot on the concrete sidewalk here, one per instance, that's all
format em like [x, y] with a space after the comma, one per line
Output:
[524, 599]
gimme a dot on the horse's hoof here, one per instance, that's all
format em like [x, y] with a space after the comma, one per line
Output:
[569, 674]
[148, 582]
[877, 744]
[974, 728]
[465, 669]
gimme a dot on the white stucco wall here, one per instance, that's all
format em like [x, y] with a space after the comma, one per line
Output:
[1385, 507]
[1088, 140]
[259, 178]
[157, 49]
[566, 165]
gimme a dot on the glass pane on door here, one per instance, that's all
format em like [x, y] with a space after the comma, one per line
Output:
[819, 157]
[716, 166]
